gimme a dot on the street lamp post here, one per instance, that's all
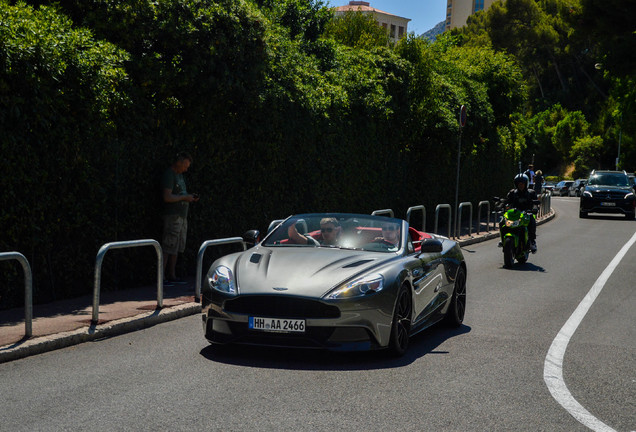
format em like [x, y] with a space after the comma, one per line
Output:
[620, 135]
[462, 123]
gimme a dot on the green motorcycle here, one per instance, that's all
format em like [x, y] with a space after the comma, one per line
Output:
[513, 229]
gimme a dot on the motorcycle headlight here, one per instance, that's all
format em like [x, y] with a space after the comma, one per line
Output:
[359, 287]
[511, 223]
[222, 280]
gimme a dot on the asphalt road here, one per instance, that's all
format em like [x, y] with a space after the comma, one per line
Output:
[487, 376]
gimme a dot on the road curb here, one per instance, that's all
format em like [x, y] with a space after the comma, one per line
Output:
[52, 342]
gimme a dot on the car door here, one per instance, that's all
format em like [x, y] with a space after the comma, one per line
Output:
[428, 280]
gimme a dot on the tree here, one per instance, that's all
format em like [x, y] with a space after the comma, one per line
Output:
[357, 30]
[586, 153]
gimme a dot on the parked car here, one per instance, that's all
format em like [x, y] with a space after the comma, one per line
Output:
[577, 187]
[562, 188]
[547, 187]
[608, 192]
[360, 293]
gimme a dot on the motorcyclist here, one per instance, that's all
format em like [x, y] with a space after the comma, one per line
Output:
[523, 199]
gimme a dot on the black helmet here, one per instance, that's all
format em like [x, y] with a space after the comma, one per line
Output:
[521, 178]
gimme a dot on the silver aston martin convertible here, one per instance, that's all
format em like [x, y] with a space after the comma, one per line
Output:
[335, 281]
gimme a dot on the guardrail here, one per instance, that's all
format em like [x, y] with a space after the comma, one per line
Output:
[450, 217]
[546, 204]
[415, 208]
[458, 228]
[28, 288]
[204, 246]
[383, 212]
[479, 206]
[120, 245]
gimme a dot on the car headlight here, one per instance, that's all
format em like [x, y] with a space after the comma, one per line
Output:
[629, 196]
[359, 287]
[587, 194]
[222, 280]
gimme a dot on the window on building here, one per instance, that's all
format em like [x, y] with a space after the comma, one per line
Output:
[393, 31]
[400, 32]
[478, 5]
[385, 26]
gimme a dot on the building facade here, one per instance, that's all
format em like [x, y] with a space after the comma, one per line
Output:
[396, 26]
[458, 11]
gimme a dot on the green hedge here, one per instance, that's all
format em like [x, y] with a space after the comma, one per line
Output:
[97, 96]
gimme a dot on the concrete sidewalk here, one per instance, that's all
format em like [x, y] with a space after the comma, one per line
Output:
[68, 322]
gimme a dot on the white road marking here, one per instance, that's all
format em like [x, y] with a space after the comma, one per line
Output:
[553, 366]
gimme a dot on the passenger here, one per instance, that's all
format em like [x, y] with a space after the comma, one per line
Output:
[330, 230]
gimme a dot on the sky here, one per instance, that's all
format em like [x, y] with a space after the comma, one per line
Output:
[424, 14]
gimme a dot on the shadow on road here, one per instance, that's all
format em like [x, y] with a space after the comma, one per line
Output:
[527, 267]
[424, 343]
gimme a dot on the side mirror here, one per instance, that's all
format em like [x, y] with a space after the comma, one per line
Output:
[252, 237]
[431, 246]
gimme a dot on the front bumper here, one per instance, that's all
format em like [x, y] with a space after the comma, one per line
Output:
[604, 204]
[352, 325]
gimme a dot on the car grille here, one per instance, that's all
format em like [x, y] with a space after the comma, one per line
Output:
[611, 195]
[281, 307]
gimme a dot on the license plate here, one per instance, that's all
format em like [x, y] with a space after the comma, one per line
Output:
[277, 325]
[608, 204]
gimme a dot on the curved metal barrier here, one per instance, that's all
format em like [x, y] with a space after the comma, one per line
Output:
[120, 245]
[28, 288]
[458, 228]
[479, 206]
[204, 246]
[546, 204]
[450, 217]
[415, 208]
[383, 212]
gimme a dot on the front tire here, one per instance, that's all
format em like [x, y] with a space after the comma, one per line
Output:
[508, 251]
[457, 309]
[401, 326]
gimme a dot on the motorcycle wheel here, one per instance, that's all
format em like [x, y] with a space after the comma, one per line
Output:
[508, 251]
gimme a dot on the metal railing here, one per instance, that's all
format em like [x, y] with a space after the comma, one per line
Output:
[204, 246]
[450, 217]
[120, 245]
[383, 212]
[415, 208]
[546, 204]
[458, 231]
[479, 206]
[28, 288]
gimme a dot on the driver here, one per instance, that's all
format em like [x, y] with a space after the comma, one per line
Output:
[390, 234]
[523, 199]
[330, 230]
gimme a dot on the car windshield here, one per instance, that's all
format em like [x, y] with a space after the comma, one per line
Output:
[609, 179]
[338, 230]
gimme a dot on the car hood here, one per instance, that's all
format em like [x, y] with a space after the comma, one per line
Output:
[304, 271]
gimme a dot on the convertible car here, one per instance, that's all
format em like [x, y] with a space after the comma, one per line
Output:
[342, 282]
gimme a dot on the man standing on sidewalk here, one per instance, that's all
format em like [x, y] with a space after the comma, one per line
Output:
[175, 214]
